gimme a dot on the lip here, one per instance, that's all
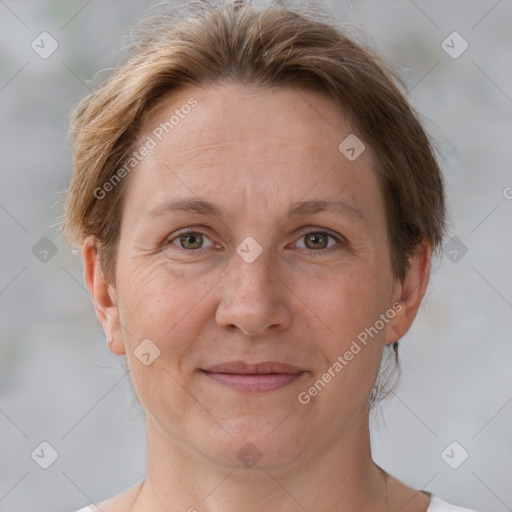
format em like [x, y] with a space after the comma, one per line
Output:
[241, 367]
[259, 378]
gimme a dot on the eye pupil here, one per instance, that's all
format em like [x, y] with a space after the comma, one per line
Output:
[195, 239]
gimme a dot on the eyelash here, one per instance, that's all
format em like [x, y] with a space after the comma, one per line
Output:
[339, 239]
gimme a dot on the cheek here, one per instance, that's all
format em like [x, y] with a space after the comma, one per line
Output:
[155, 295]
[349, 307]
[345, 304]
[160, 304]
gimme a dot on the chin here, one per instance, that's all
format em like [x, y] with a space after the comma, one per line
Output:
[256, 443]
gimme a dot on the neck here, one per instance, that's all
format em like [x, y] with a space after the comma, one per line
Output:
[337, 476]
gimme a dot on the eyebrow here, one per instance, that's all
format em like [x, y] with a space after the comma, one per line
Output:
[302, 208]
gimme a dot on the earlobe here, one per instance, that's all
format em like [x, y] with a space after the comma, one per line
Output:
[410, 293]
[104, 296]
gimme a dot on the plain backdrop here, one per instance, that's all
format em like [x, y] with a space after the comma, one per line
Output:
[60, 385]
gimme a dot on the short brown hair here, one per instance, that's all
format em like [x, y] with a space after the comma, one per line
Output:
[265, 46]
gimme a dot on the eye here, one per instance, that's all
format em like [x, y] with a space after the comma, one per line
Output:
[318, 241]
[190, 240]
[315, 242]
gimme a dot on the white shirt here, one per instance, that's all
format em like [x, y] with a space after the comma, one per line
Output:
[439, 505]
[436, 505]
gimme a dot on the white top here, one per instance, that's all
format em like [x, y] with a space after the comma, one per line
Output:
[436, 505]
[439, 505]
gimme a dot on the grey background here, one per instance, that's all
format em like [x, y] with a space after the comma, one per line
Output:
[60, 384]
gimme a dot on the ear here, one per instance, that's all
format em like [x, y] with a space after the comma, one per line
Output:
[409, 293]
[104, 296]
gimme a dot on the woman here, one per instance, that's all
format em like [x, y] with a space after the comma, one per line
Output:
[257, 207]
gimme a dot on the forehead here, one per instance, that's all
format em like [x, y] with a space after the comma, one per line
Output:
[305, 119]
[279, 144]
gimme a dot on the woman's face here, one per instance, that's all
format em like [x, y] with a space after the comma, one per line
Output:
[288, 263]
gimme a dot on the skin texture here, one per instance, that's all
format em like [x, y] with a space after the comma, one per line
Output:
[255, 153]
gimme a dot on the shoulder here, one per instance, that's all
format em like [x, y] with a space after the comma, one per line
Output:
[118, 503]
[439, 505]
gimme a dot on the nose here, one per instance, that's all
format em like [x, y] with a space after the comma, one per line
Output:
[254, 299]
